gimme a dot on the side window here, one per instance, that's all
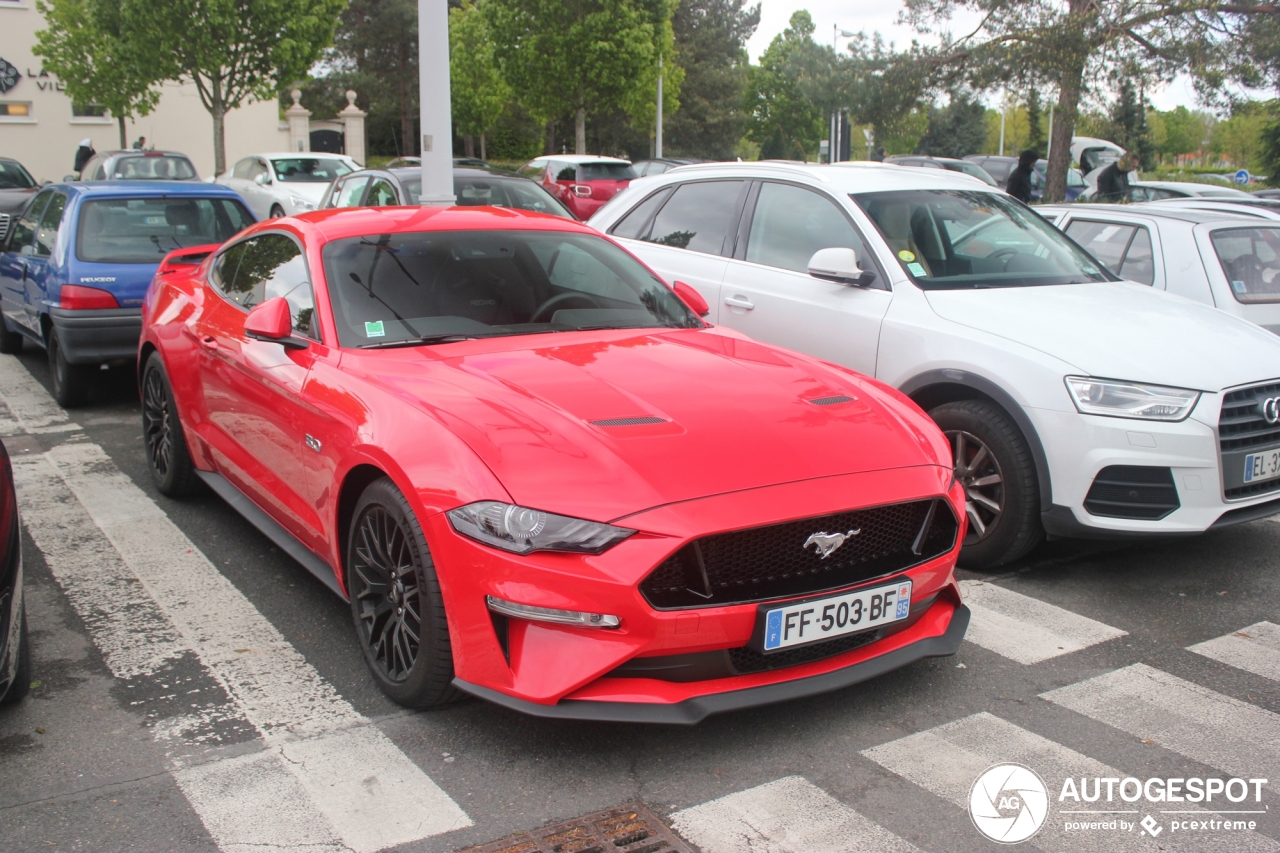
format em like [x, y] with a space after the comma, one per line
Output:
[223, 274]
[1139, 265]
[382, 194]
[350, 193]
[1106, 241]
[566, 171]
[698, 216]
[534, 169]
[100, 173]
[334, 194]
[791, 223]
[635, 225]
[269, 266]
[50, 220]
[243, 168]
[24, 231]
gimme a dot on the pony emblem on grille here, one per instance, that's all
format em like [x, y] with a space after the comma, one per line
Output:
[827, 543]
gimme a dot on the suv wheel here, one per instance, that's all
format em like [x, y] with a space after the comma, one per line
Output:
[994, 464]
[70, 381]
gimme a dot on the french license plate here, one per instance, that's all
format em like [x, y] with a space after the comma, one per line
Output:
[804, 622]
[1262, 466]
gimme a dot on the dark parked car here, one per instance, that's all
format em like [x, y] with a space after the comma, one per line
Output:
[15, 649]
[925, 162]
[658, 166]
[16, 189]
[472, 186]
[1001, 167]
[139, 166]
[1267, 193]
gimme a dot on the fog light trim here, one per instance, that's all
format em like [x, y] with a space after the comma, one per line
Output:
[549, 614]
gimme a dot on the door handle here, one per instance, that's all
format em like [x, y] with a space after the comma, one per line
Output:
[739, 302]
[209, 342]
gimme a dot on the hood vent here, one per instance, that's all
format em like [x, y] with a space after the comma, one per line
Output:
[623, 422]
[832, 401]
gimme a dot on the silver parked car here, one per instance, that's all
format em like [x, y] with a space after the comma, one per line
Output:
[137, 165]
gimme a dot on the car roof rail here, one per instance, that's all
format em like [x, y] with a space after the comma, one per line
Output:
[812, 170]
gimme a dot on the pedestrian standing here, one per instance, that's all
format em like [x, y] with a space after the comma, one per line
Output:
[879, 155]
[1113, 181]
[140, 144]
[1019, 183]
[83, 153]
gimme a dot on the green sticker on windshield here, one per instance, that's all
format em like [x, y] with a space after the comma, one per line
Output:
[374, 330]
[916, 269]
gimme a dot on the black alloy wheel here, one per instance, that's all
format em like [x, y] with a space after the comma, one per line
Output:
[166, 447]
[993, 463]
[70, 381]
[396, 603]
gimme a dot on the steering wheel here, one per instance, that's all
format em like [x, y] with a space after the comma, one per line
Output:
[561, 300]
[1005, 251]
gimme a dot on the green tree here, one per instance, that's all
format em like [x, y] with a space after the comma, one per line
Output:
[710, 43]
[1184, 132]
[579, 58]
[955, 130]
[1269, 155]
[1240, 139]
[86, 48]
[1128, 126]
[479, 93]
[376, 47]
[787, 120]
[234, 51]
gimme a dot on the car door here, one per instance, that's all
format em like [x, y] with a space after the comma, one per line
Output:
[768, 293]
[43, 272]
[252, 389]
[16, 261]
[259, 196]
[239, 179]
[684, 234]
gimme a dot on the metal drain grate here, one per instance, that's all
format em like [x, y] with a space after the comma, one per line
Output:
[632, 828]
[636, 421]
[832, 401]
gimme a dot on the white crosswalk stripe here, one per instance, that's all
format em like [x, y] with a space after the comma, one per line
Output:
[1254, 649]
[1217, 730]
[328, 779]
[1026, 629]
[790, 815]
[946, 761]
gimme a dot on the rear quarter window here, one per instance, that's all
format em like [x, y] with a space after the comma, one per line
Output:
[1250, 259]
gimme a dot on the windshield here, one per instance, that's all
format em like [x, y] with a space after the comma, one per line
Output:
[153, 168]
[1250, 259]
[949, 239]
[970, 169]
[14, 177]
[309, 170]
[606, 172]
[144, 230]
[516, 192]
[436, 286]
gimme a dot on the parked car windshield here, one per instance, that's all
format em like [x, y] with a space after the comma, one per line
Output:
[14, 177]
[1250, 257]
[144, 230]
[434, 287]
[151, 167]
[496, 192]
[309, 170]
[972, 169]
[955, 239]
[606, 172]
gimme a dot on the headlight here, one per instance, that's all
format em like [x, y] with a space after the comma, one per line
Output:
[302, 203]
[522, 530]
[1131, 400]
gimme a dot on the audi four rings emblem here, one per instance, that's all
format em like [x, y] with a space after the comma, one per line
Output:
[1271, 410]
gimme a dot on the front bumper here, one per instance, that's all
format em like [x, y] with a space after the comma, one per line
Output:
[94, 337]
[1080, 446]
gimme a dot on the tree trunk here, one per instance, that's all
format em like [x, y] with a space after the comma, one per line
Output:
[469, 145]
[483, 154]
[124, 136]
[407, 143]
[580, 131]
[1064, 123]
[219, 111]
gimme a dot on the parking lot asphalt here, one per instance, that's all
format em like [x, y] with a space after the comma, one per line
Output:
[195, 689]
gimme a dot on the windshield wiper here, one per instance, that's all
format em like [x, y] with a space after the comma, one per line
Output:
[425, 339]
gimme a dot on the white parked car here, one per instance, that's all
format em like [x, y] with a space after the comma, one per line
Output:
[1140, 191]
[1260, 208]
[1218, 258]
[275, 185]
[1077, 404]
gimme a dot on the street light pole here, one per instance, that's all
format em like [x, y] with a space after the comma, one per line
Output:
[435, 109]
[657, 143]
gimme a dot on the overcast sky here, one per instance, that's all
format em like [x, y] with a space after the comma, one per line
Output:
[881, 15]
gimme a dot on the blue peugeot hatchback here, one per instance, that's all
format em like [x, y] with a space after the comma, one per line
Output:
[77, 262]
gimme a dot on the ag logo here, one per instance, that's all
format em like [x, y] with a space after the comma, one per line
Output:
[9, 77]
[1008, 803]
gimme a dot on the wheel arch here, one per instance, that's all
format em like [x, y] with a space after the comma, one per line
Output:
[934, 388]
[353, 485]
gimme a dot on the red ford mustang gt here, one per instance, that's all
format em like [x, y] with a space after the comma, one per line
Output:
[538, 476]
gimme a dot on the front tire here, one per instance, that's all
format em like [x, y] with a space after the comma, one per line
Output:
[1002, 497]
[277, 211]
[168, 459]
[70, 381]
[396, 603]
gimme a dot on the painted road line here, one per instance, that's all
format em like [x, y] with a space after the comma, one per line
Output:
[947, 760]
[1217, 730]
[1026, 629]
[1254, 649]
[31, 407]
[791, 815]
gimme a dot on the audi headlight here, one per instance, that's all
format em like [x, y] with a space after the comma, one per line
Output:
[522, 530]
[1130, 399]
[302, 203]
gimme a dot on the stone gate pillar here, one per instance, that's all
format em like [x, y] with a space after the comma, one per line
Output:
[299, 118]
[353, 135]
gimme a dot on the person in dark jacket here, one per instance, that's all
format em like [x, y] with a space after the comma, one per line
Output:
[879, 155]
[1019, 183]
[1113, 181]
[83, 153]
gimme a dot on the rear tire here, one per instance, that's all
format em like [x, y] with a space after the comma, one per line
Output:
[1002, 495]
[276, 211]
[70, 381]
[10, 342]
[164, 442]
[396, 603]
[21, 683]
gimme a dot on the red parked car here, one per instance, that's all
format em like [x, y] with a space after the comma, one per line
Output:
[582, 182]
[538, 476]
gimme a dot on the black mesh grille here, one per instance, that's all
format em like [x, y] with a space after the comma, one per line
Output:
[640, 421]
[1132, 491]
[761, 563]
[747, 660]
[831, 401]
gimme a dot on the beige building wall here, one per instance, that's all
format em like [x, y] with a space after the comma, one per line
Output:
[45, 139]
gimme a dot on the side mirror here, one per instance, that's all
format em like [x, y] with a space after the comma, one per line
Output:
[692, 298]
[262, 179]
[68, 179]
[271, 322]
[840, 266]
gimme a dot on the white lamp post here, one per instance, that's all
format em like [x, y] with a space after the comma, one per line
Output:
[433, 96]
[657, 142]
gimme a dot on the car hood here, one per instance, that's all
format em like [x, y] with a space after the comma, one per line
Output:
[12, 201]
[687, 414]
[1121, 330]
